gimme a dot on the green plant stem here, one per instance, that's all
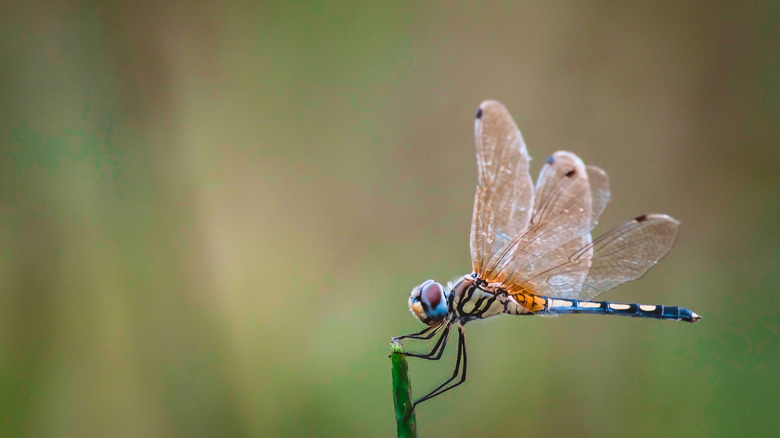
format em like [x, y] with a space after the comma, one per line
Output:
[402, 393]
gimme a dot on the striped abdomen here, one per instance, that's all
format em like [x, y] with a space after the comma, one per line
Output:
[559, 306]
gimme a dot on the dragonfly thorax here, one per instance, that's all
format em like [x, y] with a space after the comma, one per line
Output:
[473, 299]
[429, 302]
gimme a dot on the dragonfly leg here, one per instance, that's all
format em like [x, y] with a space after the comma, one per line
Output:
[428, 333]
[441, 389]
[438, 349]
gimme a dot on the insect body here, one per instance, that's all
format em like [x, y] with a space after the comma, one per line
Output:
[531, 248]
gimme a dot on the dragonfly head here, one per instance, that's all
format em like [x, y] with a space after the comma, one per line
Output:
[428, 302]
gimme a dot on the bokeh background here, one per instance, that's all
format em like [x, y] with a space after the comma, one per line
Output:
[212, 214]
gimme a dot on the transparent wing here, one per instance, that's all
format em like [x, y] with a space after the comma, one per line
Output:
[502, 205]
[569, 284]
[599, 191]
[622, 254]
[562, 212]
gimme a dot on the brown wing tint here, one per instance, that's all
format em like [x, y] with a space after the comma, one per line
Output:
[502, 205]
[562, 212]
[623, 254]
[569, 284]
[539, 240]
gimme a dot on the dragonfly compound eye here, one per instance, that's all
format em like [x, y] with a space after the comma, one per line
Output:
[431, 296]
[428, 302]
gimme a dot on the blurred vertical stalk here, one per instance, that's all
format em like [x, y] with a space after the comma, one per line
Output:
[402, 393]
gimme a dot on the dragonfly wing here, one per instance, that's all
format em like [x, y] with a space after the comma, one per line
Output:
[568, 284]
[560, 283]
[599, 193]
[562, 212]
[502, 205]
[623, 254]
[628, 251]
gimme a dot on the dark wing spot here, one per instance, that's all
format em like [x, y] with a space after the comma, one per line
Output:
[550, 160]
[571, 173]
[479, 113]
[641, 218]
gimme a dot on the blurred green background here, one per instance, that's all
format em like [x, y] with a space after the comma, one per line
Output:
[211, 215]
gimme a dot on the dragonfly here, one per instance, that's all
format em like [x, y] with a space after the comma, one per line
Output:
[531, 247]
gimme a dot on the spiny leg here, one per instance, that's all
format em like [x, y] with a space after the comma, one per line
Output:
[441, 389]
[438, 349]
[432, 329]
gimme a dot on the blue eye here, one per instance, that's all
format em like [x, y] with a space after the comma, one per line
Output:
[432, 297]
[428, 302]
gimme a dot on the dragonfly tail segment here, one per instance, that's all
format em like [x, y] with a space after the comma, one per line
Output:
[559, 306]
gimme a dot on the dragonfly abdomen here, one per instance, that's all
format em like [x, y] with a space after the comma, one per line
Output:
[560, 306]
